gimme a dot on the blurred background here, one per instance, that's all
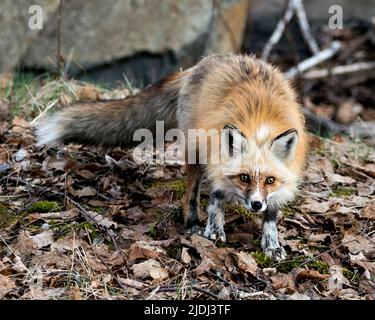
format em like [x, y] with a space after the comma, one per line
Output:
[138, 42]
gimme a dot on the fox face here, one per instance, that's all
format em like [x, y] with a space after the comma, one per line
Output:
[256, 173]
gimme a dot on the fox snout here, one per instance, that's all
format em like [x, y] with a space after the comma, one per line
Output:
[256, 205]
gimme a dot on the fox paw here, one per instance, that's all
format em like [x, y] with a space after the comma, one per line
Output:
[276, 254]
[215, 234]
[195, 229]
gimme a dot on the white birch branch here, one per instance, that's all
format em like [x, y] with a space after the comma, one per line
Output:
[305, 27]
[339, 70]
[314, 60]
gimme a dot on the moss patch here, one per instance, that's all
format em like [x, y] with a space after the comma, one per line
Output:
[262, 260]
[342, 191]
[44, 206]
[240, 210]
[177, 186]
[287, 266]
[352, 275]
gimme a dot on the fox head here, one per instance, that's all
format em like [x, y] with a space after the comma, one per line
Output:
[258, 171]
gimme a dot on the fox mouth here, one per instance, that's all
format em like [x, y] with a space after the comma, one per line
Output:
[246, 203]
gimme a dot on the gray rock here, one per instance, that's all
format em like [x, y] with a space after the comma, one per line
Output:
[15, 34]
[94, 32]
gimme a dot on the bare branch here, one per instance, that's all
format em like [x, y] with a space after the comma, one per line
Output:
[314, 60]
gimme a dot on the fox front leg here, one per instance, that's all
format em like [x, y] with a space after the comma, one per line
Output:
[270, 242]
[191, 201]
[215, 222]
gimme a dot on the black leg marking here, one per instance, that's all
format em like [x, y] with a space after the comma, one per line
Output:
[270, 242]
[215, 222]
[192, 223]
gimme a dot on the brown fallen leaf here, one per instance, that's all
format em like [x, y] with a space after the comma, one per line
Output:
[368, 212]
[356, 243]
[101, 220]
[185, 257]
[149, 268]
[64, 215]
[6, 285]
[206, 265]
[143, 250]
[43, 239]
[360, 260]
[312, 206]
[86, 174]
[86, 192]
[246, 263]
[87, 93]
[306, 274]
[284, 282]
[132, 283]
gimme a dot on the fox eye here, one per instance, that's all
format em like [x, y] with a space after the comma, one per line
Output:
[270, 180]
[245, 178]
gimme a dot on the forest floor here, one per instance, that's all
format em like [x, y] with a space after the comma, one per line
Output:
[79, 223]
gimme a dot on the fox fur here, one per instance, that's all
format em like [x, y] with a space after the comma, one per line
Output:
[238, 93]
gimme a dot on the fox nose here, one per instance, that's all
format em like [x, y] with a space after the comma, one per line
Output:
[256, 205]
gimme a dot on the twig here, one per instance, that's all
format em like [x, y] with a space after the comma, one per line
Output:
[194, 287]
[305, 27]
[324, 252]
[278, 32]
[59, 19]
[339, 70]
[314, 60]
[50, 105]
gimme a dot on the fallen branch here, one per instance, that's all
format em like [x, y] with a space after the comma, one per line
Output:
[339, 70]
[305, 27]
[314, 60]
[278, 32]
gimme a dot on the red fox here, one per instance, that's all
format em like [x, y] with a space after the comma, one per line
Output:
[248, 98]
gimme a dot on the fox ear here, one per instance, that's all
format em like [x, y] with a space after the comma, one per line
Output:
[284, 145]
[233, 141]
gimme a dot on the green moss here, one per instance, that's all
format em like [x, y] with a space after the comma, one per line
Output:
[262, 260]
[288, 211]
[288, 266]
[336, 164]
[98, 209]
[352, 275]
[154, 233]
[320, 266]
[177, 186]
[44, 206]
[204, 203]
[174, 251]
[240, 210]
[342, 191]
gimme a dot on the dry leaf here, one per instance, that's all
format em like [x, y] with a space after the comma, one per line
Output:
[185, 257]
[368, 212]
[86, 192]
[6, 286]
[149, 268]
[247, 263]
[43, 239]
[143, 250]
[87, 93]
[305, 274]
[284, 282]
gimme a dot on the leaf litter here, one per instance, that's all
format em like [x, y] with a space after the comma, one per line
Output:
[82, 223]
